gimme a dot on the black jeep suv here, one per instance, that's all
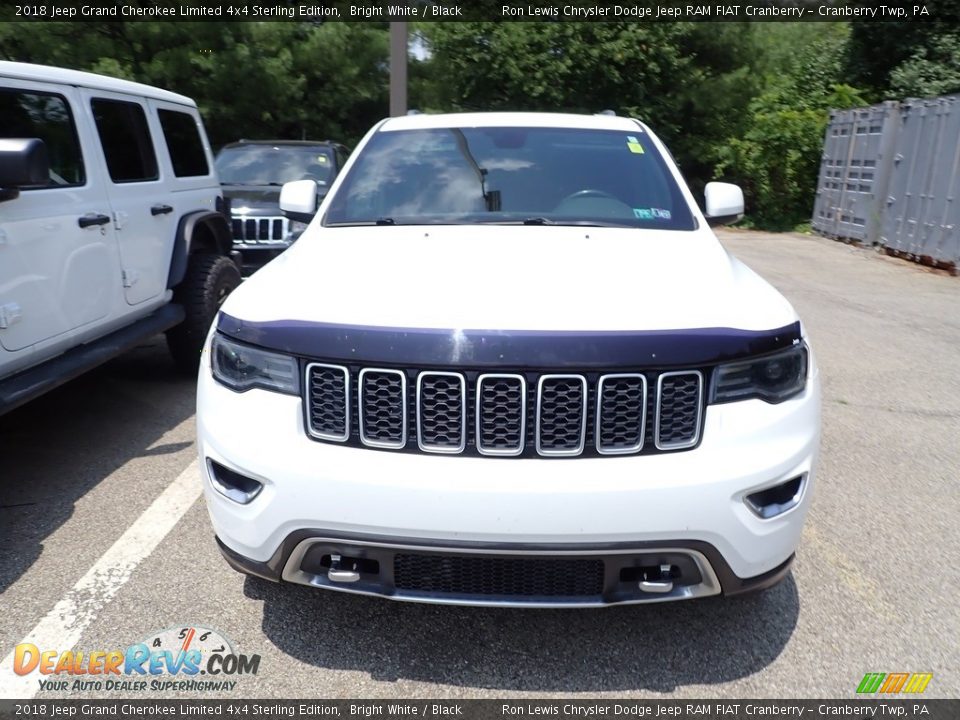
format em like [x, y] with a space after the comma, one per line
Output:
[252, 172]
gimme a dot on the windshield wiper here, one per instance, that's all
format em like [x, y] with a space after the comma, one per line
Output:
[538, 221]
[491, 199]
[362, 223]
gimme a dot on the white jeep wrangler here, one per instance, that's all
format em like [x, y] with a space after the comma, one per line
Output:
[112, 226]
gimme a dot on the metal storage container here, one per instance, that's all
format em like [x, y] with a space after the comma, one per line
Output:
[854, 169]
[921, 213]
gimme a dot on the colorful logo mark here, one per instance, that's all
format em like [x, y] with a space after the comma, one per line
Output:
[892, 683]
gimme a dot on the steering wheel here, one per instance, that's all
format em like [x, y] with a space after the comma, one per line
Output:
[595, 203]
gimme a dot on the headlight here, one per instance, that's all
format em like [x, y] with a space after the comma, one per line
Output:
[241, 367]
[773, 378]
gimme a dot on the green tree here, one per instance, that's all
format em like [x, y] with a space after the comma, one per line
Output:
[777, 158]
[933, 69]
[254, 80]
[689, 81]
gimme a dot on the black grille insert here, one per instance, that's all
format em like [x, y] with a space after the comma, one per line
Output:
[621, 411]
[329, 401]
[561, 414]
[499, 576]
[383, 407]
[441, 412]
[678, 409]
[501, 414]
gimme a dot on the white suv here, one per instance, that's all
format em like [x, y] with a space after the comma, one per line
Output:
[112, 226]
[509, 363]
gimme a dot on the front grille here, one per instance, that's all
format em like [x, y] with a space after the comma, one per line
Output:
[383, 408]
[328, 407]
[501, 414]
[268, 230]
[526, 414]
[621, 408]
[498, 576]
[561, 414]
[678, 409]
[441, 412]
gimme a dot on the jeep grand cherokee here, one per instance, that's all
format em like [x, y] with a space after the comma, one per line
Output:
[509, 363]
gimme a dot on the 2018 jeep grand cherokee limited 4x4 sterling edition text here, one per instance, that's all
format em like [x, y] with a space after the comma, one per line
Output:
[509, 363]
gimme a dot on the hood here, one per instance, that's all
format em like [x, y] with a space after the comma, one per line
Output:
[489, 277]
[252, 196]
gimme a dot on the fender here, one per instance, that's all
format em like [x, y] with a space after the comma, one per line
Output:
[198, 231]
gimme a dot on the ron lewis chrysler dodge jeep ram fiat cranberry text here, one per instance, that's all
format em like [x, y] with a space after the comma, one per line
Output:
[509, 363]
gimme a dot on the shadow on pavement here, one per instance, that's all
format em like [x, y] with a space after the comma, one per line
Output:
[59, 446]
[657, 647]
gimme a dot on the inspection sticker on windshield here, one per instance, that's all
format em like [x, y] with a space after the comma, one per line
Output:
[651, 214]
[634, 145]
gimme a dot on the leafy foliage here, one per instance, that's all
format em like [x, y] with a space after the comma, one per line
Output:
[777, 159]
[933, 69]
[253, 80]
[686, 80]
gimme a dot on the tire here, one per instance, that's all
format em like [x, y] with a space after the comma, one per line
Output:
[208, 281]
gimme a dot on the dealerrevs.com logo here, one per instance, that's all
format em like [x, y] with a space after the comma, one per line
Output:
[189, 658]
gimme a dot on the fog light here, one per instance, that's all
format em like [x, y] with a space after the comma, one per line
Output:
[233, 485]
[776, 500]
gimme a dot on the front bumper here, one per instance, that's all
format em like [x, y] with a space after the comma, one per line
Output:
[625, 511]
[711, 574]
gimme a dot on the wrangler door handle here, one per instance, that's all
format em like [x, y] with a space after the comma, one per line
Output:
[161, 210]
[93, 219]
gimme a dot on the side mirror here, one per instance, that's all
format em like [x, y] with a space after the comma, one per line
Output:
[23, 162]
[298, 200]
[724, 203]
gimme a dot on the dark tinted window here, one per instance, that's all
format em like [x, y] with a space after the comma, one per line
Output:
[265, 164]
[125, 138]
[44, 116]
[512, 174]
[183, 143]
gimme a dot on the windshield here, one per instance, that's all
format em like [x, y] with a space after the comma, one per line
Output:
[273, 164]
[536, 176]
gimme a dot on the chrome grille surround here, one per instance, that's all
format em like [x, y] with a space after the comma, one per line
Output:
[530, 413]
[383, 422]
[436, 447]
[520, 433]
[603, 384]
[555, 406]
[667, 378]
[312, 400]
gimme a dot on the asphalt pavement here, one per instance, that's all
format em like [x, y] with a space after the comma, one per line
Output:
[110, 457]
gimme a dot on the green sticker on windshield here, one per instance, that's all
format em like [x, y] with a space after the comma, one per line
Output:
[322, 159]
[633, 145]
